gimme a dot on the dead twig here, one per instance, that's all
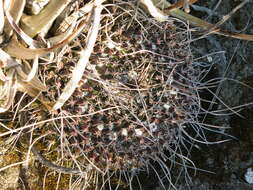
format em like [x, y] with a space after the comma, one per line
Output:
[182, 3]
[225, 18]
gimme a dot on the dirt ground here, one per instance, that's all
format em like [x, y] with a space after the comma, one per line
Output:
[231, 160]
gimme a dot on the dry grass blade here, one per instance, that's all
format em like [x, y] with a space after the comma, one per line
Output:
[10, 89]
[1, 17]
[2, 90]
[35, 82]
[34, 69]
[15, 8]
[7, 61]
[17, 130]
[156, 13]
[34, 87]
[2, 76]
[33, 25]
[16, 79]
[15, 49]
[28, 88]
[12, 165]
[84, 57]
[29, 41]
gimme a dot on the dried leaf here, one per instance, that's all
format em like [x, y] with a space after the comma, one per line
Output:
[15, 8]
[34, 70]
[27, 39]
[7, 61]
[32, 25]
[34, 82]
[10, 91]
[15, 49]
[1, 17]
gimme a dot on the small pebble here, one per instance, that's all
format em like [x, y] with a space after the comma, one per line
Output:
[249, 176]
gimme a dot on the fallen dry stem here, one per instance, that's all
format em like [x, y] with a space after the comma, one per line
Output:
[156, 13]
[52, 165]
[197, 21]
[226, 17]
[12, 165]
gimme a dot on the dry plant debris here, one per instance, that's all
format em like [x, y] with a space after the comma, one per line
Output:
[111, 89]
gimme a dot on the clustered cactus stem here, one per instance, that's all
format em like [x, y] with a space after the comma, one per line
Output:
[117, 80]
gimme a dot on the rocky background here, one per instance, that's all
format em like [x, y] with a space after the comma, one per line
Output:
[232, 161]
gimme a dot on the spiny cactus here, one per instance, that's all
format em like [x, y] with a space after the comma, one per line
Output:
[120, 87]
